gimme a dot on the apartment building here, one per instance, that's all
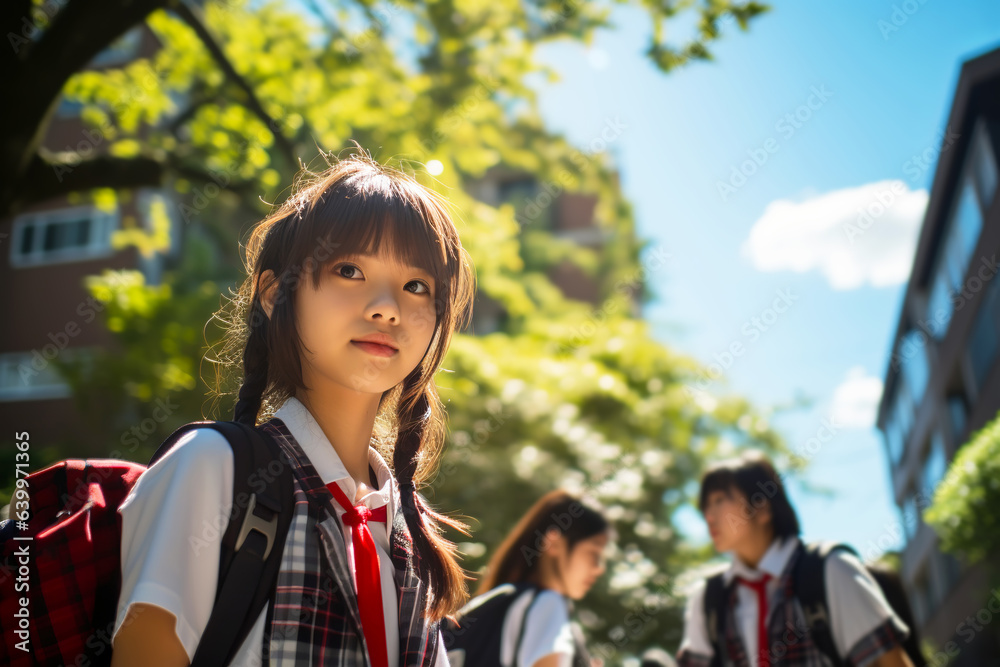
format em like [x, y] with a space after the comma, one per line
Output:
[943, 378]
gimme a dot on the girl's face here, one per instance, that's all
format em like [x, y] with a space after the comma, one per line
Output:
[583, 565]
[365, 297]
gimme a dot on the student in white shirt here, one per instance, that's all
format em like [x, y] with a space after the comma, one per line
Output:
[748, 514]
[356, 284]
[559, 547]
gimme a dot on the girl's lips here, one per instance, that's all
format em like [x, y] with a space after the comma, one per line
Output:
[375, 348]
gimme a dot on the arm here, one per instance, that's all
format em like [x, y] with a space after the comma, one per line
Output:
[894, 658]
[147, 638]
[696, 649]
[170, 550]
[864, 626]
[548, 633]
[554, 660]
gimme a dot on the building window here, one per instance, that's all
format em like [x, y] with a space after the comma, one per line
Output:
[899, 421]
[984, 164]
[958, 412]
[30, 376]
[532, 203]
[983, 343]
[961, 236]
[893, 440]
[62, 235]
[913, 353]
[904, 411]
[912, 506]
[935, 465]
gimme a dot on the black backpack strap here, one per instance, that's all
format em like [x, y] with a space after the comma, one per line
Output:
[254, 540]
[809, 582]
[714, 607]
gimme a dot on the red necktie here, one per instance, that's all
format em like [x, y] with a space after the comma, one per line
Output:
[366, 573]
[760, 588]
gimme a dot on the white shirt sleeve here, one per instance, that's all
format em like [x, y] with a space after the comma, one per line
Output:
[856, 603]
[172, 525]
[695, 639]
[547, 630]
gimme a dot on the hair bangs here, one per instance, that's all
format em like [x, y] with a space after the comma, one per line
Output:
[721, 478]
[354, 218]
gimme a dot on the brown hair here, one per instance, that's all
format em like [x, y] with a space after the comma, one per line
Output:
[357, 205]
[753, 475]
[517, 558]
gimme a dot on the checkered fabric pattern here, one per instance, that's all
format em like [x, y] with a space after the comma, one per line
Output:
[73, 564]
[790, 642]
[880, 640]
[315, 617]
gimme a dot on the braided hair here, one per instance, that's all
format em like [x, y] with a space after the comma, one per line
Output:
[356, 205]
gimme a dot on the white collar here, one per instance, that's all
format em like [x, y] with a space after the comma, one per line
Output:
[324, 458]
[773, 562]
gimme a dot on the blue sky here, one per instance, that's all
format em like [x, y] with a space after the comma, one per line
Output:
[878, 98]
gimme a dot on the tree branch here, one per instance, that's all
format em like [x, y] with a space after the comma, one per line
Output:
[192, 17]
[78, 32]
[47, 178]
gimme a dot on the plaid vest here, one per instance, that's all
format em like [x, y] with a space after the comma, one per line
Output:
[788, 631]
[315, 619]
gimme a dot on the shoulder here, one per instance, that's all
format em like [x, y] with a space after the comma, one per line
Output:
[695, 641]
[549, 605]
[201, 457]
[547, 629]
[843, 567]
[196, 445]
[696, 591]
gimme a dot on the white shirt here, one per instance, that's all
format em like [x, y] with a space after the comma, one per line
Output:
[546, 630]
[174, 517]
[856, 603]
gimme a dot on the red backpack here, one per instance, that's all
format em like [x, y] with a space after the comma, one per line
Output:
[60, 554]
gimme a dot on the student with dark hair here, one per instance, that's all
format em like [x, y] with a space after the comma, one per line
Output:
[752, 613]
[523, 614]
[355, 286]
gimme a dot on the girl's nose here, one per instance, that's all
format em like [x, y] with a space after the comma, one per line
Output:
[384, 309]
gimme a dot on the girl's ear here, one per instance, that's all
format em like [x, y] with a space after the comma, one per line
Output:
[763, 515]
[269, 291]
[555, 542]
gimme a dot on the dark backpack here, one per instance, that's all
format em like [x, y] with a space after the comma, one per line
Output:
[809, 583]
[473, 638]
[61, 555]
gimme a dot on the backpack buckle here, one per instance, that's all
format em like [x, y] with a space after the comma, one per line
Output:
[266, 527]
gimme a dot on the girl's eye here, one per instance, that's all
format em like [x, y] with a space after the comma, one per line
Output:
[351, 272]
[419, 283]
[349, 268]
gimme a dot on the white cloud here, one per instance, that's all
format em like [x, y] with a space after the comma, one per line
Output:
[853, 236]
[855, 400]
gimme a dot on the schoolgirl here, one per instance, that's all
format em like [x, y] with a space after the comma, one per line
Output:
[355, 286]
[763, 623]
[552, 557]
